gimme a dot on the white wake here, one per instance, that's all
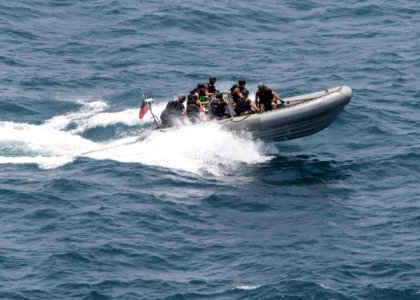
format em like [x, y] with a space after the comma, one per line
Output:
[203, 149]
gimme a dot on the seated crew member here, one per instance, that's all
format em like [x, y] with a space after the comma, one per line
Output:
[173, 112]
[267, 98]
[250, 106]
[218, 106]
[210, 87]
[193, 108]
[244, 105]
[200, 92]
[236, 90]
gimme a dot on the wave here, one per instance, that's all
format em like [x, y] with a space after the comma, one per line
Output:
[203, 148]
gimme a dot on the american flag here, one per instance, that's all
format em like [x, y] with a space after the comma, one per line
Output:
[143, 109]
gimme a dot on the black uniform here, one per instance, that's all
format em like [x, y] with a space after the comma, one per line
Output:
[266, 96]
[171, 113]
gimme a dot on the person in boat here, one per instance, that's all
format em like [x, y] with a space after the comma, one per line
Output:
[218, 106]
[173, 112]
[266, 98]
[210, 87]
[244, 105]
[200, 92]
[236, 90]
[193, 108]
[249, 105]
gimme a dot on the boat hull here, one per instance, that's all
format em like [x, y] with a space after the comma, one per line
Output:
[298, 117]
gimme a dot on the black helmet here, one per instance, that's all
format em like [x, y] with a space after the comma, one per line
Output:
[241, 82]
[212, 79]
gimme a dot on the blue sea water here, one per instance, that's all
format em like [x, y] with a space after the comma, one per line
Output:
[201, 213]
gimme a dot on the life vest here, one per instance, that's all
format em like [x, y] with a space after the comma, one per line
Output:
[240, 107]
[266, 96]
[235, 95]
[211, 88]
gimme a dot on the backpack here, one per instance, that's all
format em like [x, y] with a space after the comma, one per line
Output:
[193, 108]
[193, 112]
[170, 113]
[214, 107]
[171, 105]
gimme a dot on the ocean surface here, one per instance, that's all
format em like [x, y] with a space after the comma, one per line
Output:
[201, 213]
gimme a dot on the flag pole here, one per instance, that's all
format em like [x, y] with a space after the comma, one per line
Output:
[148, 99]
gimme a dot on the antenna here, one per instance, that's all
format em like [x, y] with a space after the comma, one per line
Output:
[148, 99]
